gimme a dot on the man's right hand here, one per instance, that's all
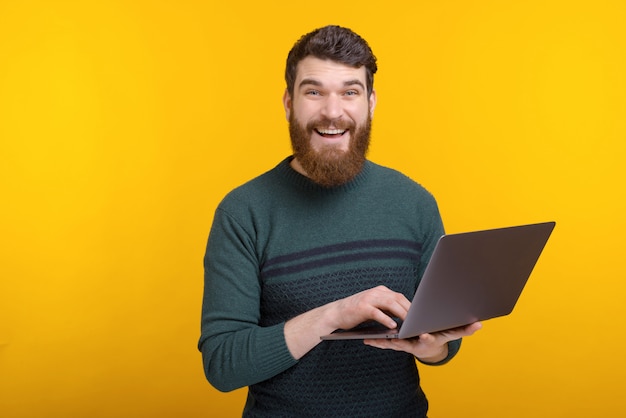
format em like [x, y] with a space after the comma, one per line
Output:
[379, 304]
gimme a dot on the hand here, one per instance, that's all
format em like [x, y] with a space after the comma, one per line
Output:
[379, 304]
[429, 348]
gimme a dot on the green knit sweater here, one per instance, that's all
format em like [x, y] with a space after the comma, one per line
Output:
[281, 245]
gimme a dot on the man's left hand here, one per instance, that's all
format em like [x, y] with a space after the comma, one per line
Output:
[428, 348]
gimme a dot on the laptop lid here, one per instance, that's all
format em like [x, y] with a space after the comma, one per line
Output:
[471, 276]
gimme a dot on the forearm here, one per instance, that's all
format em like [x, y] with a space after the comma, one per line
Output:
[241, 358]
[378, 304]
[303, 332]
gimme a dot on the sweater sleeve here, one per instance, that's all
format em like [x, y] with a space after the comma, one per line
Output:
[236, 350]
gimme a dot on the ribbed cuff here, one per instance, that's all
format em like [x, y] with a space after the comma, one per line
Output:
[271, 351]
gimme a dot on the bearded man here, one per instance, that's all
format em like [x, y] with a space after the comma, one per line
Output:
[326, 240]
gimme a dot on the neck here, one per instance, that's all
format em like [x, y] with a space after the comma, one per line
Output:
[295, 164]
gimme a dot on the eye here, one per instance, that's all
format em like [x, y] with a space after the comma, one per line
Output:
[351, 93]
[312, 93]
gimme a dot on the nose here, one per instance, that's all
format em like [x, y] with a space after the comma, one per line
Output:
[332, 108]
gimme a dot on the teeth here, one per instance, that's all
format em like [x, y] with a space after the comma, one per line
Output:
[331, 131]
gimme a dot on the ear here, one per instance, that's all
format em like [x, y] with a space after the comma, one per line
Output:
[372, 103]
[287, 104]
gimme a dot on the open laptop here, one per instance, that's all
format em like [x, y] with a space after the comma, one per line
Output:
[471, 276]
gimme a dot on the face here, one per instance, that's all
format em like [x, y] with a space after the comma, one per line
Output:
[329, 120]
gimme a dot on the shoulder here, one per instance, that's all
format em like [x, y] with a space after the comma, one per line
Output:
[398, 183]
[257, 191]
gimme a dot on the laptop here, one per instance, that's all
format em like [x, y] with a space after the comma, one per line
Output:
[471, 276]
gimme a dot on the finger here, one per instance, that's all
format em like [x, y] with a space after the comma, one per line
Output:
[384, 319]
[389, 296]
[383, 344]
[404, 302]
[472, 328]
[379, 304]
[466, 330]
[428, 339]
[452, 334]
[375, 343]
[397, 305]
[390, 304]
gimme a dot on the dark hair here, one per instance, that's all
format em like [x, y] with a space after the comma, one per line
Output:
[334, 43]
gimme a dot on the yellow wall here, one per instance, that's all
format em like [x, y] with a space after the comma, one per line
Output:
[123, 123]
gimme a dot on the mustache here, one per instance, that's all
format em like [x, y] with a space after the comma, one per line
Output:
[325, 123]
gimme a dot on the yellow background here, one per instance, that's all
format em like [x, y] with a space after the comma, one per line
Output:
[123, 123]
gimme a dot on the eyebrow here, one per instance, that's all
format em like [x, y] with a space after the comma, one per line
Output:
[317, 83]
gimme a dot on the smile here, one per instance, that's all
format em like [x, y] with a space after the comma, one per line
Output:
[330, 132]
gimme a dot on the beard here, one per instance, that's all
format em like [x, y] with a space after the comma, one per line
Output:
[330, 166]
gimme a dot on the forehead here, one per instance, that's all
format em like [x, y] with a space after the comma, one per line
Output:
[327, 71]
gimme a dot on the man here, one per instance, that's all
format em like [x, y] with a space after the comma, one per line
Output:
[326, 240]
